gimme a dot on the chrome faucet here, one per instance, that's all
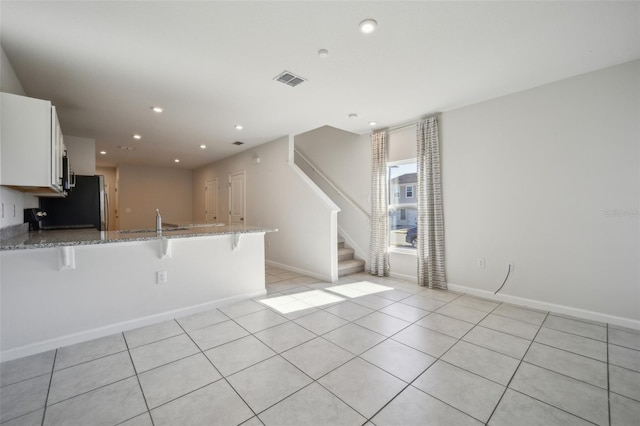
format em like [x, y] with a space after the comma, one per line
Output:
[158, 222]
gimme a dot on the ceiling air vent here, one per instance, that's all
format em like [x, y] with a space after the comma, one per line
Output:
[238, 143]
[290, 79]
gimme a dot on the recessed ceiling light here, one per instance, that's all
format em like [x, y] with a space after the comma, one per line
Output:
[239, 127]
[323, 53]
[157, 109]
[353, 115]
[203, 146]
[177, 160]
[368, 26]
[373, 123]
[103, 152]
[137, 137]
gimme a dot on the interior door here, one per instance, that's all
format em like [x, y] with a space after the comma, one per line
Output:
[211, 197]
[237, 198]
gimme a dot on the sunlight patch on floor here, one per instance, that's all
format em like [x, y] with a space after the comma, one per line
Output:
[359, 289]
[300, 301]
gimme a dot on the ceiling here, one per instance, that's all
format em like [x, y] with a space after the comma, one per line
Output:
[211, 64]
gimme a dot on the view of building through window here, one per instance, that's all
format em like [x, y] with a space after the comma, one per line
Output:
[403, 207]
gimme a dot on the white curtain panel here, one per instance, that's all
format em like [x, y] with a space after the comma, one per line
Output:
[430, 218]
[378, 255]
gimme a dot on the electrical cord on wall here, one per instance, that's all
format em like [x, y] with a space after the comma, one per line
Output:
[505, 280]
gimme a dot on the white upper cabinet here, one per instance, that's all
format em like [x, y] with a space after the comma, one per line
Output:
[31, 145]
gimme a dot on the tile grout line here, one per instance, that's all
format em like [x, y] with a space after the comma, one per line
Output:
[546, 403]
[53, 365]
[222, 376]
[433, 363]
[135, 371]
[516, 370]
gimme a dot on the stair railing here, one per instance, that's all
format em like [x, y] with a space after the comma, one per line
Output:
[331, 184]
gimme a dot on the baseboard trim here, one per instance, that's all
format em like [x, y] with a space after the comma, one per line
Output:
[119, 327]
[404, 277]
[299, 271]
[547, 306]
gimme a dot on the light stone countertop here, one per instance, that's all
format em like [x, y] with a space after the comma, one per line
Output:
[78, 237]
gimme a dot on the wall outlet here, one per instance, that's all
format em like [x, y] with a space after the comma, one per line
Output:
[161, 277]
[480, 262]
[510, 266]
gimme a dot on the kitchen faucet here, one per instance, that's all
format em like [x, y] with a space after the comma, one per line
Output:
[158, 222]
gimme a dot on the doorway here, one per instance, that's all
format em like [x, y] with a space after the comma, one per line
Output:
[237, 198]
[211, 197]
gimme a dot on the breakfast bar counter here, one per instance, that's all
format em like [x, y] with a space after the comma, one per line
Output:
[63, 287]
[77, 237]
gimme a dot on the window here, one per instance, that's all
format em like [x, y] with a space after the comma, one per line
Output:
[408, 192]
[403, 209]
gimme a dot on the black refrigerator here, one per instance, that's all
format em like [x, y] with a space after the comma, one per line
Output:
[85, 206]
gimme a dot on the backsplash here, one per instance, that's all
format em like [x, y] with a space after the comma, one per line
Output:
[13, 230]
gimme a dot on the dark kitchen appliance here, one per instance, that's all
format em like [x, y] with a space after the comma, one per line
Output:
[86, 206]
[33, 216]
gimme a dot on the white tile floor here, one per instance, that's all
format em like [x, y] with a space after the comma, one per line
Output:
[403, 356]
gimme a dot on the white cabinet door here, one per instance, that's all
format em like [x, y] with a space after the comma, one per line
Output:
[31, 144]
[26, 141]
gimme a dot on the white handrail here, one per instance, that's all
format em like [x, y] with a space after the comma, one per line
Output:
[335, 188]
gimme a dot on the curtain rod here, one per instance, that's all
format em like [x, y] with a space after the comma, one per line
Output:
[394, 129]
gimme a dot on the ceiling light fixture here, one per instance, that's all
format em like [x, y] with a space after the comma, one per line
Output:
[103, 152]
[157, 109]
[323, 53]
[239, 127]
[203, 146]
[373, 123]
[368, 26]
[177, 160]
[137, 137]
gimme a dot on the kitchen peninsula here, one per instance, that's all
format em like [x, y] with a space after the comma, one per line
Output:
[63, 287]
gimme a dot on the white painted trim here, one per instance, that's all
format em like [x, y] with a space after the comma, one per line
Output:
[120, 327]
[404, 277]
[300, 270]
[546, 306]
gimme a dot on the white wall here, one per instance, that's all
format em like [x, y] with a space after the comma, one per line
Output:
[278, 196]
[352, 178]
[531, 178]
[9, 82]
[82, 154]
[143, 189]
[548, 178]
[11, 200]
[344, 157]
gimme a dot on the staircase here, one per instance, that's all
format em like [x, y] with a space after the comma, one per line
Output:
[346, 263]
